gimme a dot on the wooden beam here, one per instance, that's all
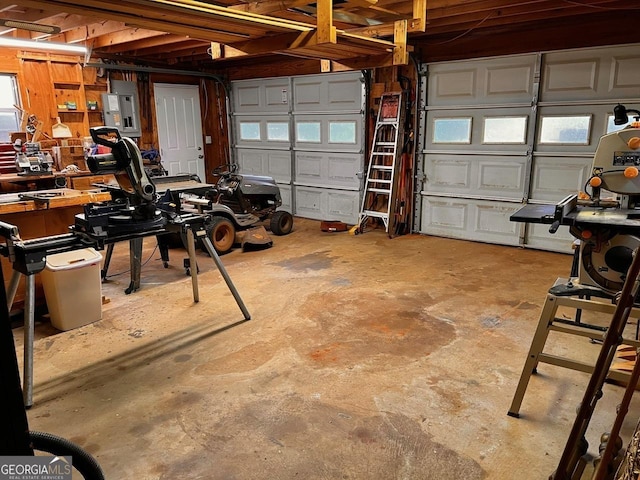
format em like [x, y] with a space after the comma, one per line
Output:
[362, 63]
[400, 54]
[269, 6]
[125, 36]
[385, 30]
[420, 14]
[216, 50]
[325, 66]
[326, 30]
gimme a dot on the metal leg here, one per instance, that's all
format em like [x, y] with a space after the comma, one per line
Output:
[12, 288]
[29, 319]
[212, 251]
[193, 265]
[135, 260]
[537, 345]
[107, 261]
[164, 249]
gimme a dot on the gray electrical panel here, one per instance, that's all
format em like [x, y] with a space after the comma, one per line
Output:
[121, 108]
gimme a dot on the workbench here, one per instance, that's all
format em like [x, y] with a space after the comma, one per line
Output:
[51, 215]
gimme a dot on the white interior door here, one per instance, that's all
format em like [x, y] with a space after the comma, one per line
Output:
[180, 128]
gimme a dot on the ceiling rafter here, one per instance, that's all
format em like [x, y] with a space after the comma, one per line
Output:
[205, 21]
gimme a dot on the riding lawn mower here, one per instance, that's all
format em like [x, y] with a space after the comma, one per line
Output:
[240, 202]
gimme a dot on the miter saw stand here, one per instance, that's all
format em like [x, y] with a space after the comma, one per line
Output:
[137, 215]
[608, 231]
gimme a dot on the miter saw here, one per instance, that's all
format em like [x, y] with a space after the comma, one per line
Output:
[606, 217]
[136, 210]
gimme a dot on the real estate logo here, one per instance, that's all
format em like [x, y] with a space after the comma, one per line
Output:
[35, 468]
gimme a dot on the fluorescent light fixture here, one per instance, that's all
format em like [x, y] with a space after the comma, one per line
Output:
[57, 47]
[30, 26]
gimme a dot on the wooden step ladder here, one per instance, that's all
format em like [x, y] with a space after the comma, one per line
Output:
[381, 183]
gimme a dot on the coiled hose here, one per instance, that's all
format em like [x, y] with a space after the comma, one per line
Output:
[83, 462]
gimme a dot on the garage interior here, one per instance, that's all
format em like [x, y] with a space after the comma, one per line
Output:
[390, 332]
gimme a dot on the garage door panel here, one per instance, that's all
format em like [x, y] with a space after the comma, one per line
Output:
[331, 170]
[479, 220]
[476, 175]
[478, 130]
[538, 236]
[509, 80]
[341, 92]
[260, 95]
[449, 174]
[572, 76]
[323, 204]
[273, 163]
[624, 73]
[262, 131]
[598, 73]
[285, 193]
[502, 177]
[486, 81]
[328, 132]
[554, 178]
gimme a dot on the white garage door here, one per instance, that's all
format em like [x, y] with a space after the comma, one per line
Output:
[307, 133]
[504, 131]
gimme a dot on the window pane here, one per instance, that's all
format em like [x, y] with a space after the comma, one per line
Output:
[7, 92]
[8, 124]
[342, 132]
[574, 129]
[250, 130]
[505, 130]
[612, 127]
[278, 131]
[452, 130]
[308, 132]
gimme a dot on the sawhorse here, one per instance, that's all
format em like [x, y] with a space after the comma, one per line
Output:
[569, 294]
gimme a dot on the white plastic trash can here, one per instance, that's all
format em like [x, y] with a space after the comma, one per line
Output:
[73, 288]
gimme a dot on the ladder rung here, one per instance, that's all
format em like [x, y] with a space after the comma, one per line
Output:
[387, 168]
[375, 213]
[379, 180]
[384, 154]
[378, 190]
[386, 144]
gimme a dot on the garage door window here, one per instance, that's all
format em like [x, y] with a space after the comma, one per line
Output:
[277, 131]
[342, 132]
[505, 130]
[452, 130]
[308, 132]
[565, 130]
[250, 130]
[612, 127]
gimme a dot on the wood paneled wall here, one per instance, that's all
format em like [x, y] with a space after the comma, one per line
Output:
[46, 80]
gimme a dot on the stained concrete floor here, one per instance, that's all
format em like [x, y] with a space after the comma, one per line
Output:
[365, 358]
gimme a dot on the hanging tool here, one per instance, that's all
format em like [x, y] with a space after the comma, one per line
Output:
[60, 130]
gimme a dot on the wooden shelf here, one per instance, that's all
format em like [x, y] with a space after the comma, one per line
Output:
[95, 86]
[72, 111]
[67, 85]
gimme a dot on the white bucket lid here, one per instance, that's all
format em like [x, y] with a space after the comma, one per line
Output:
[73, 259]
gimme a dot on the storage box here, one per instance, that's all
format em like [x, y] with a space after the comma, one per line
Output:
[69, 155]
[73, 288]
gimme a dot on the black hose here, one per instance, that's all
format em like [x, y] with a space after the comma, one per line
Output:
[83, 462]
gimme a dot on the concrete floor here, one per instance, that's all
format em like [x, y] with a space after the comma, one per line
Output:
[366, 358]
